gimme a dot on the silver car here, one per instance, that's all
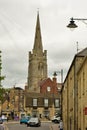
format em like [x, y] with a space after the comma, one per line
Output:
[34, 121]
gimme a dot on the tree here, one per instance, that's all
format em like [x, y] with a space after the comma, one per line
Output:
[2, 92]
[1, 77]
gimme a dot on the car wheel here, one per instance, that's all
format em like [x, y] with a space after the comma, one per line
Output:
[38, 125]
[55, 121]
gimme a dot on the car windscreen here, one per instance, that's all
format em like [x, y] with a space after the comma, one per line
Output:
[33, 119]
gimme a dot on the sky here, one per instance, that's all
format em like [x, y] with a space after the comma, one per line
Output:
[17, 31]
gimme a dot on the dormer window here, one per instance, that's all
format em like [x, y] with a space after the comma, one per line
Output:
[48, 89]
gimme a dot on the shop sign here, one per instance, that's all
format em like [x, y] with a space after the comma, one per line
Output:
[85, 111]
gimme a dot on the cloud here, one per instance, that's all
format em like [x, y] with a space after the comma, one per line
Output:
[17, 31]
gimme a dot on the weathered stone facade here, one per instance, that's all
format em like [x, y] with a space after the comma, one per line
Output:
[70, 93]
[82, 96]
[40, 108]
[14, 104]
[37, 69]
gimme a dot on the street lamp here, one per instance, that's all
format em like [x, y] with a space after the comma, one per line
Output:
[72, 24]
[60, 72]
[59, 90]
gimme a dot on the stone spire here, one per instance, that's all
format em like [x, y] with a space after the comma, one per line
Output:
[37, 69]
[38, 48]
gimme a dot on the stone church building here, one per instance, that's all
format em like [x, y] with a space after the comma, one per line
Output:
[42, 97]
[37, 69]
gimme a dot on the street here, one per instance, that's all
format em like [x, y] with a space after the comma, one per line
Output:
[18, 126]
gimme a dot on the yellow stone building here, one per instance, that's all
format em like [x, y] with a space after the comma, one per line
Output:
[82, 95]
[74, 94]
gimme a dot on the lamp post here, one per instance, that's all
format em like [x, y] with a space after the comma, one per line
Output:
[72, 24]
[59, 72]
[59, 91]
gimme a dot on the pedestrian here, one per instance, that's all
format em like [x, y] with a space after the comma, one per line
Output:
[7, 118]
[61, 125]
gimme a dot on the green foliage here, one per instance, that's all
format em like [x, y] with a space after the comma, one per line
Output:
[2, 78]
[2, 92]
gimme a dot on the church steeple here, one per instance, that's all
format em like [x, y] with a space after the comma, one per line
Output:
[38, 48]
[37, 69]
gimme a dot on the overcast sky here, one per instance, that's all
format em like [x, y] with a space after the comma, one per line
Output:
[17, 31]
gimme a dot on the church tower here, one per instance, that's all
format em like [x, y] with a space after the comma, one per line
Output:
[37, 69]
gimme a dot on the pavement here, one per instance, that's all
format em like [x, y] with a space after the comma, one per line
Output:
[54, 127]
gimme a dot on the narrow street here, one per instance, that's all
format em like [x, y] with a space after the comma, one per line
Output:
[18, 126]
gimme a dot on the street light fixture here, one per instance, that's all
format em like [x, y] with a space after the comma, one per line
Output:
[61, 72]
[72, 24]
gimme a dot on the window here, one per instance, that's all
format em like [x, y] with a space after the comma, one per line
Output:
[48, 89]
[46, 102]
[35, 102]
[57, 103]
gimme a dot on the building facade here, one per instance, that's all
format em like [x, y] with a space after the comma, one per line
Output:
[82, 96]
[13, 106]
[70, 93]
[45, 104]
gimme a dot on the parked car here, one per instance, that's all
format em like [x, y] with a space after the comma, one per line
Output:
[34, 121]
[56, 119]
[24, 119]
[4, 118]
